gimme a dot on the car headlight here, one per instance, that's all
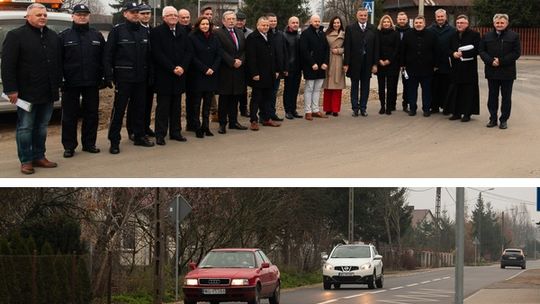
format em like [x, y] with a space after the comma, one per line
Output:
[365, 266]
[328, 266]
[239, 282]
[190, 282]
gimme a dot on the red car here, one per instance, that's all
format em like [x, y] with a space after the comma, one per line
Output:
[232, 275]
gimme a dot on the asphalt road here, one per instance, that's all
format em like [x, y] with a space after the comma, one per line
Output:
[373, 146]
[434, 286]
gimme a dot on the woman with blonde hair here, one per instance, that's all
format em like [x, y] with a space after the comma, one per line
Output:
[388, 66]
[334, 82]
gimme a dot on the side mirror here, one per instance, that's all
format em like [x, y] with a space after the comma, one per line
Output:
[378, 257]
[192, 265]
[265, 265]
[324, 257]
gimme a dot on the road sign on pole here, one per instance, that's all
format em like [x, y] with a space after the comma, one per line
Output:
[179, 208]
[370, 6]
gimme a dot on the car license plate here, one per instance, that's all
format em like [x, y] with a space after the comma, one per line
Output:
[346, 274]
[213, 291]
[512, 258]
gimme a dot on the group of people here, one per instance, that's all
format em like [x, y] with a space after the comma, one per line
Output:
[203, 60]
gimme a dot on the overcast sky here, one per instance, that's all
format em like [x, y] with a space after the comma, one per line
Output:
[501, 199]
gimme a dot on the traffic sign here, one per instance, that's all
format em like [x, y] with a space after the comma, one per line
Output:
[369, 5]
[184, 208]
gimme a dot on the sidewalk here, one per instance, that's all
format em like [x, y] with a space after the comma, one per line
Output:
[523, 288]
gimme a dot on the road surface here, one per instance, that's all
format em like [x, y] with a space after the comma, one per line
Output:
[395, 146]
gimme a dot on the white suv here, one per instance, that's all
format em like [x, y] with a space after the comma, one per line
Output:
[353, 264]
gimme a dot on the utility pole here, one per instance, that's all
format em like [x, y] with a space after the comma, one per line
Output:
[421, 8]
[159, 251]
[460, 244]
[438, 216]
[351, 215]
[502, 232]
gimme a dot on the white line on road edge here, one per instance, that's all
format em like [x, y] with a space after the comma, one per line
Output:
[515, 275]
[413, 284]
[355, 296]
[396, 288]
[444, 278]
[437, 279]
[379, 291]
[425, 282]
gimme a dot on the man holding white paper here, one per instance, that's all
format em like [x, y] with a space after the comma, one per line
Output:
[31, 72]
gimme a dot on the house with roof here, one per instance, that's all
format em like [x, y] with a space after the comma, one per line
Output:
[453, 8]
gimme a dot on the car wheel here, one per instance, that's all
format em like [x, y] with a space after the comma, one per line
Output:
[502, 266]
[274, 299]
[380, 281]
[327, 286]
[371, 282]
[337, 286]
[523, 267]
[257, 298]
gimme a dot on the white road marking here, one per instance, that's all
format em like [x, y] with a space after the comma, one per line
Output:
[355, 296]
[425, 282]
[393, 302]
[329, 301]
[429, 294]
[379, 291]
[437, 290]
[413, 284]
[396, 288]
[437, 279]
[515, 275]
[444, 278]
[417, 299]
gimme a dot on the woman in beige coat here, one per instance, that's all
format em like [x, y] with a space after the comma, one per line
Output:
[335, 76]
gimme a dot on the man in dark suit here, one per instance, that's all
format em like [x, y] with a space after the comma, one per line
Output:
[171, 58]
[361, 56]
[232, 82]
[261, 71]
[280, 46]
[32, 49]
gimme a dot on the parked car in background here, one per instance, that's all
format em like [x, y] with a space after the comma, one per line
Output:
[353, 264]
[235, 274]
[513, 257]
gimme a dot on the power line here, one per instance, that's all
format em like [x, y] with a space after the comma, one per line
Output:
[423, 190]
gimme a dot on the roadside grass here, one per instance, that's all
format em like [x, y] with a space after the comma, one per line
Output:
[291, 279]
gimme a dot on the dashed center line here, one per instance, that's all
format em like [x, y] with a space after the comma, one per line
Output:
[396, 288]
[413, 284]
[425, 282]
[355, 296]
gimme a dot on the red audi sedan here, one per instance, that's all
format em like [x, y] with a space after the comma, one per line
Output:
[232, 275]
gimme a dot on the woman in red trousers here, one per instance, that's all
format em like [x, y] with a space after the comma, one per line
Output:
[335, 76]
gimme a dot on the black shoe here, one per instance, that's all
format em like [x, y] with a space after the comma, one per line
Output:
[237, 126]
[92, 149]
[208, 133]
[335, 114]
[114, 149]
[363, 113]
[355, 113]
[245, 114]
[191, 129]
[69, 153]
[296, 115]
[435, 111]
[503, 125]
[328, 113]
[131, 137]
[160, 141]
[427, 114]
[491, 124]
[178, 137]
[405, 107]
[222, 129]
[382, 110]
[466, 118]
[388, 111]
[199, 133]
[143, 142]
[455, 117]
[276, 118]
[289, 116]
[412, 113]
[150, 132]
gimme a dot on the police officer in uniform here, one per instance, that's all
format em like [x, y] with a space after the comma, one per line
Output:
[127, 60]
[82, 65]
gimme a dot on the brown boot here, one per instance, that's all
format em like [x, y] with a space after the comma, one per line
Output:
[44, 163]
[214, 117]
[27, 168]
[319, 115]
[308, 116]
[254, 126]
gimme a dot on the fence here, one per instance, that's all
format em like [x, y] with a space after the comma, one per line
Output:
[411, 259]
[530, 39]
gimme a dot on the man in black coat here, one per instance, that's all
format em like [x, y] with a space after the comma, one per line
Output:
[402, 26]
[232, 76]
[418, 61]
[31, 71]
[82, 64]
[262, 72]
[500, 49]
[294, 74]
[171, 57]
[280, 46]
[126, 61]
[361, 54]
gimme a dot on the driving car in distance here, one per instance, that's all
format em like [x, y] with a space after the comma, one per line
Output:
[353, 264]
[513, 257]
[232, 275]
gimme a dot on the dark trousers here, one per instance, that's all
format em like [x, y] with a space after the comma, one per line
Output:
[425, 82]
[72, 109]
[388, 89]
[290, 91]
[404, 96]
[505, 87]
[274, 98]
[365, 76]
[168, 111]
[228, 109]
[439, 88]
[131, 93]
[194, 101]
[243, 103]
[149, 100]
[260, 102]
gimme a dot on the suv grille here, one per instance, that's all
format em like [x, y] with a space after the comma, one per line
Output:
[214, 281]
[346, 268]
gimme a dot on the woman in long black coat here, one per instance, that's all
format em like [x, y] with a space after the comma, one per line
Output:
[203, 78]
[388, 66]
[463, 96]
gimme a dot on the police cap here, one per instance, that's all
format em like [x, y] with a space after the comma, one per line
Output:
[81, 8]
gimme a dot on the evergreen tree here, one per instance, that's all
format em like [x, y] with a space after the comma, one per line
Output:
[84, 288]
[522, 13]
[486, 229]
[282, 8]
[48, 281]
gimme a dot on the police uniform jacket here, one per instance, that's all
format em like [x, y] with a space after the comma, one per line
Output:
[82, 56]
[127, 53]
[505, 46]
[31, 64]
[168, 51]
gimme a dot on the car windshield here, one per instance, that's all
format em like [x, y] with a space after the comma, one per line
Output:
[352, 252]
[512, 252]
[228, 259]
